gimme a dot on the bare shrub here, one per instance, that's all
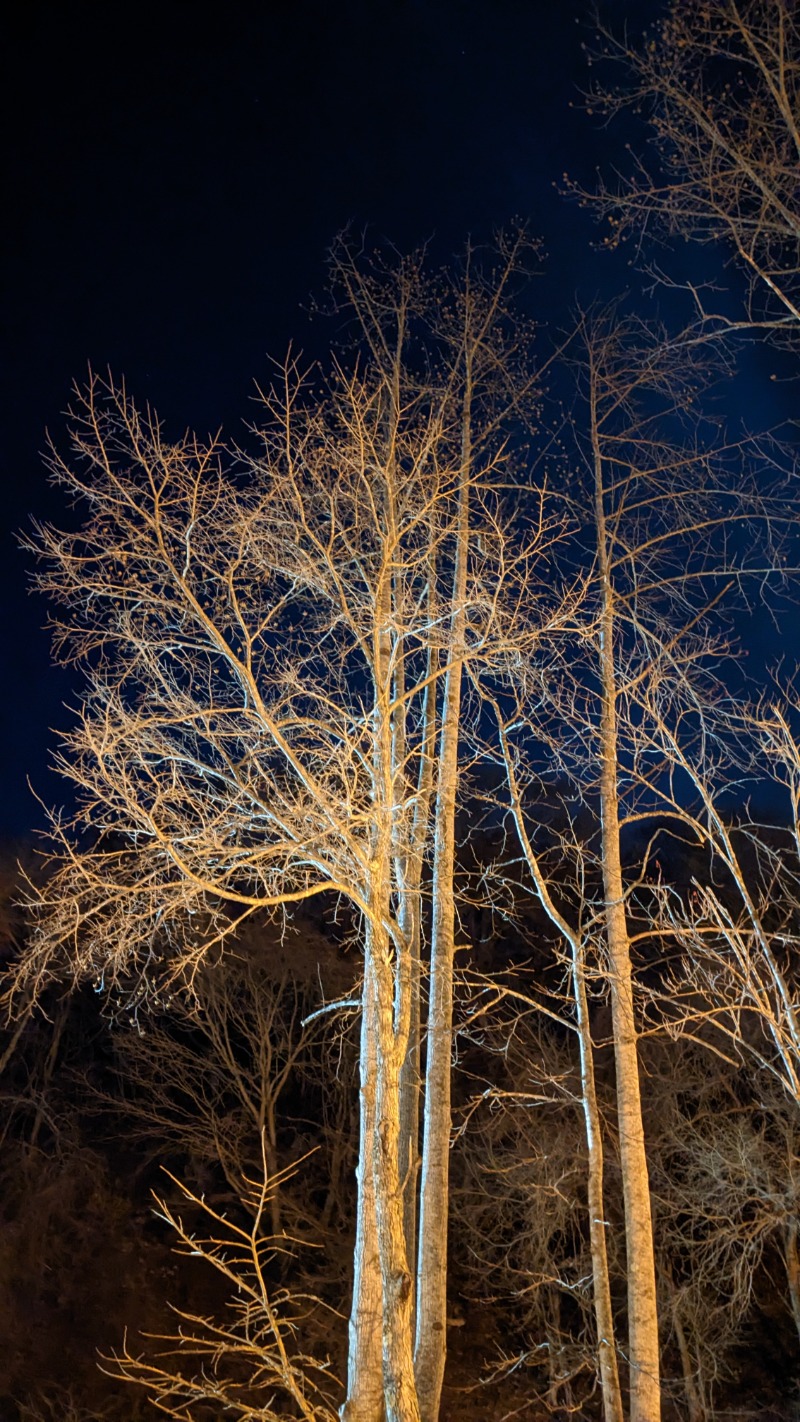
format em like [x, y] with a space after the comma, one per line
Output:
[247, 1364]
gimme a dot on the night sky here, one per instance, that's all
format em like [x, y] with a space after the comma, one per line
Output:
[175, 177]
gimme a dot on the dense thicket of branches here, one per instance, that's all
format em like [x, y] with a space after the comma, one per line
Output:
[720, 86]
[112, 1102]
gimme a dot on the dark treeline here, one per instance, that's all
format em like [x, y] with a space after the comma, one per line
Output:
[109, 1108]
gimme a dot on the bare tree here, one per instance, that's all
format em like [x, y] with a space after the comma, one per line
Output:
[723, 1156]
[720, 85]
[206, 1083]
[655, 510]
[489, 348]
[574, 929]
[269, 649]
[737, 926]
[532, 1189]
[250, 1364]
[664, 516]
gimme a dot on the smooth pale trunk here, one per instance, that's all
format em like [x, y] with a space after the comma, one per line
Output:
[431, 1339]
[410, 1090]
[604, 1316]
[364, 1401]
[431, 1322]
[643, 1353]
[400, 1394]
[431, 1331]
[411, 929]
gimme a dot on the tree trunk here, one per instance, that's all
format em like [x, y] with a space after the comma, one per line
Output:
[643, 1354]
[400, 1394]
[364, 1401]
[431, 1337]
[431, 1334]
[410, 915]
[389, 958]
[604, 1315]
[410, 1089]
[642, 1306]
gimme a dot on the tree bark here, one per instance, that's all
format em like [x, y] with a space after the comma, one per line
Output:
[410, 915]
[364, 1402]
[431, 1333]
[400, 1394]
[645, 1389]
[604, 1314]
[391, 979]
[642, 1306]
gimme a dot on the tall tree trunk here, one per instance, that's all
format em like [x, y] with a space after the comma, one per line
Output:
[642, 1305]
[431, 1332]
[604, 1315]
[410, 1090]
[364, 1401]
[431, 1340]
[391, 977]
[400, 1394]
[430, 1351]
[410, 915]
[645, 1390]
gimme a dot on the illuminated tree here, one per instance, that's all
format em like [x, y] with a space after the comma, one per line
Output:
[657, 497]
[575, 940]
[533, 1190]
[737, 928]
[257, 1370]
[272, 646]
[720, 86]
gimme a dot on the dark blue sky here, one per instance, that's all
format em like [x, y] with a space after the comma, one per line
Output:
[176, 176]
